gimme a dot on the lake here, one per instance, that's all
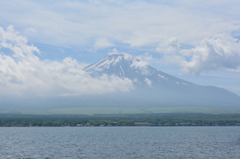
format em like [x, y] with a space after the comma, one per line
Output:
[120, 142]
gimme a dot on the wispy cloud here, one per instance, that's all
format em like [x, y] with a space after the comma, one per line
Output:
[137, 24]
[103, 43]
[30, 30]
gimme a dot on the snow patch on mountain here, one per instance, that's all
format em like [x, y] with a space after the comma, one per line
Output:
[118, 59]
[162, 76]
[149, 82]
[122, 70]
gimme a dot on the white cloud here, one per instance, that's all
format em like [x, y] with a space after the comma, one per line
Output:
[145, 56]
[18, 44]
[141, 65]
[169, 46]
[26, 74]
[114, 51]
[103, 43]
[221, 51]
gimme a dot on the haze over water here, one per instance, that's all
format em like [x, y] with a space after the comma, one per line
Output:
[121, 142]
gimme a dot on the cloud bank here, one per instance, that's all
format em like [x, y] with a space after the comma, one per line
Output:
[23, 73]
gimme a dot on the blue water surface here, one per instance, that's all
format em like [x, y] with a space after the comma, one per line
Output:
[120, 142]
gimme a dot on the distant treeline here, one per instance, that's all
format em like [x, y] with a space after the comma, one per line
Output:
[171, 119]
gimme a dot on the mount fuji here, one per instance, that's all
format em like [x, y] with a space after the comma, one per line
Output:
[156, 88]
[127, 66]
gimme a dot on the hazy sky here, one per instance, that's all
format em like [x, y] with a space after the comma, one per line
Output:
[44, 44]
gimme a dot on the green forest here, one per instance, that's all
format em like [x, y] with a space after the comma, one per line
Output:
[167, 119]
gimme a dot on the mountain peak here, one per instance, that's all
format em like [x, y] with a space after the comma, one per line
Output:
[125, 56]
[112, 60]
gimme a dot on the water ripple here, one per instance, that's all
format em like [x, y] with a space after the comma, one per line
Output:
[121, 142]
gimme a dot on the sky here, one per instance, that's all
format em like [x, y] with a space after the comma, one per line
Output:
[45, 44]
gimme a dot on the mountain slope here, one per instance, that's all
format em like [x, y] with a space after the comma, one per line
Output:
[127, 66]
[157, 88]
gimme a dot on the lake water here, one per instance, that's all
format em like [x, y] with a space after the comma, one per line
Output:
[120, 142]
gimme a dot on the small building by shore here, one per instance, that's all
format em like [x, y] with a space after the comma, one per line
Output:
[142, 124]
